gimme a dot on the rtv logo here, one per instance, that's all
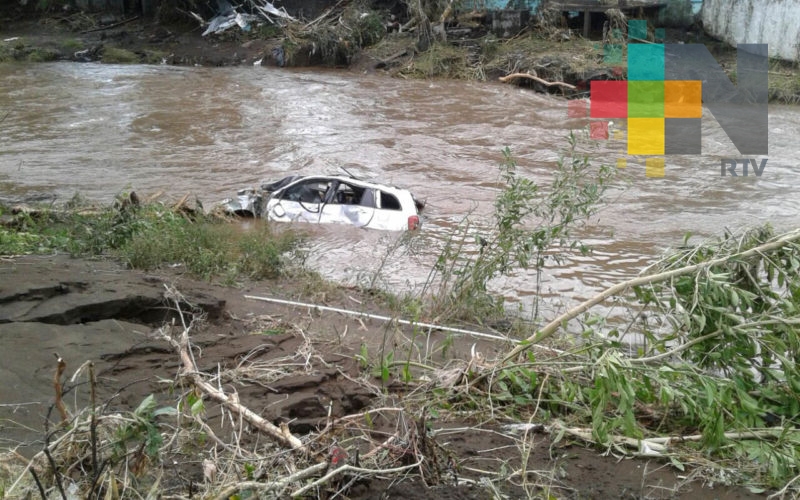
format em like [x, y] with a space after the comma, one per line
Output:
[667, 87]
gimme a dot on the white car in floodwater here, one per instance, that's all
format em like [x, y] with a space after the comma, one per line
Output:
[325, 199]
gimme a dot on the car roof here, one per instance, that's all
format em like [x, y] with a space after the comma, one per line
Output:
[350, 180]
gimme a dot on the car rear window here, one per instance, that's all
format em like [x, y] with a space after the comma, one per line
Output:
[390, 202]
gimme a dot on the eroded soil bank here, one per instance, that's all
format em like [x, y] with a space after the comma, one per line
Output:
[559, 59]
[97, 310]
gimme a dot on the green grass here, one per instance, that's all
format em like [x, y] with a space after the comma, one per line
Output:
[113, 55]
[72, 45]
[153, 236]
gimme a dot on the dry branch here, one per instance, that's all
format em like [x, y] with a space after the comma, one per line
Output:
[349, 468]
[279, 434]
[110, 26]
[60, 367]
[274, 485]
[508, 78]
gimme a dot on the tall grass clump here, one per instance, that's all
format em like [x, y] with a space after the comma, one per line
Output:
[208, 249]
[151, 236]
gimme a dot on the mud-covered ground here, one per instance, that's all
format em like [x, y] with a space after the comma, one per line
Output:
[97, 310]
[62, 38]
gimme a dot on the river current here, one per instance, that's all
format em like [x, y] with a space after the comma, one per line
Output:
[99, 130]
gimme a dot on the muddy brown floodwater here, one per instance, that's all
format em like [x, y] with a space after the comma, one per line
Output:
[100, 129]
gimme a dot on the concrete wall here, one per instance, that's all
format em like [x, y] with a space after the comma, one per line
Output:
[775, 22]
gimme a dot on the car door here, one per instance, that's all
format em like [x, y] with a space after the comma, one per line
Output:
[300, 201]
[349, 203]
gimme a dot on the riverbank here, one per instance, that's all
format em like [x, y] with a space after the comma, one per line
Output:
[324, 359]
[559, 59]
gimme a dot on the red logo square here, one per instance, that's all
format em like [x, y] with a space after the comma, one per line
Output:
[577, 108]
[598, 130]
[609, 99]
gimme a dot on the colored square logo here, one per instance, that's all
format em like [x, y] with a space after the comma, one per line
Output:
[598, 130]
[683, 99]
[609, 99]
[646, 62]
[645, 136]
[637, 29]
[665, 91]
[654, 167]
[612, 53]
[646, 99]
[577, 108]
[682, 136]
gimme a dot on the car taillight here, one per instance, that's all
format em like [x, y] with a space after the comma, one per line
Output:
[413, 222]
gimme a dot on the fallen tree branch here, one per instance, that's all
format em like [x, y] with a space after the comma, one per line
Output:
[280, 434]
[508, 78]
[274, 485]
[617, 289]
[349, 468]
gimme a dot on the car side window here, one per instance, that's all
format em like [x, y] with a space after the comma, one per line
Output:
[367, 198]
[306, 192]
[390, 201]
[347, 194]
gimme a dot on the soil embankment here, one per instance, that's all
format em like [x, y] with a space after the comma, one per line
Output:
[89, 310]
[98, 311]
[548, 56]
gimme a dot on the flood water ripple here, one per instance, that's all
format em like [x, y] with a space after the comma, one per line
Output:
[98, 130]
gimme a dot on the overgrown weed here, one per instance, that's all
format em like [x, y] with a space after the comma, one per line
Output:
[718, 376]
[154, 235]
[441, 60]
[531, 225]
[714, 374]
